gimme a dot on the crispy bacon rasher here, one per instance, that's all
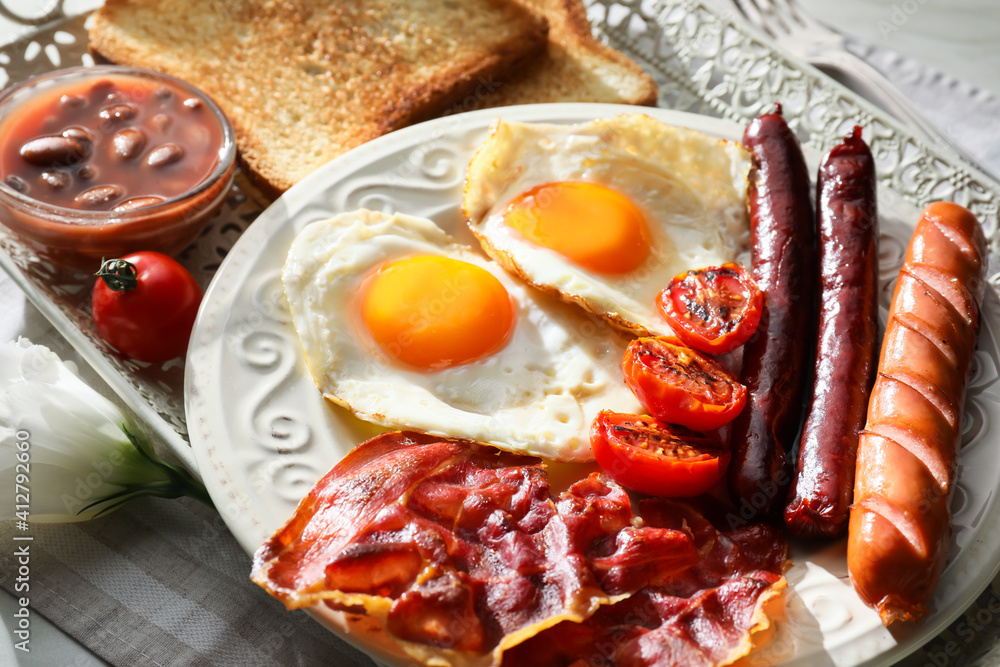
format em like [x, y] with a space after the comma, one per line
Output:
[462, 554]
[704, 615]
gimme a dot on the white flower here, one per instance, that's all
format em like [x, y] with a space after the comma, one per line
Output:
[66, 452]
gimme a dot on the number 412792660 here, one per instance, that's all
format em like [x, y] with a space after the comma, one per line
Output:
[22, 494]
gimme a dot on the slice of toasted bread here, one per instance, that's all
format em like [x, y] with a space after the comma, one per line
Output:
[304, 81]
[575, 67]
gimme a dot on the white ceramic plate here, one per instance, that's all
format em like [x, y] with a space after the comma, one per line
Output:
[262, 434]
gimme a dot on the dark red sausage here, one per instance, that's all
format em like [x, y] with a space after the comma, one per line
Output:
[777, 358]
[847, 348]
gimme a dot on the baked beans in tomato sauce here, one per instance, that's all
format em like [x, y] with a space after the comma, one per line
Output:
[110, 144]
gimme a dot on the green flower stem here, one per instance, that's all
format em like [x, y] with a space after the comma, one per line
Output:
[179, 482]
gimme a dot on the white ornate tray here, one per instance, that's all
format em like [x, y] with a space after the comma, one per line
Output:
[703, 63]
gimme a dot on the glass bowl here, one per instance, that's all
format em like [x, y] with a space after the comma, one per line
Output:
[78, 235]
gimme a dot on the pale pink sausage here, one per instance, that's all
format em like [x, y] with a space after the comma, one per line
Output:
[907, 454]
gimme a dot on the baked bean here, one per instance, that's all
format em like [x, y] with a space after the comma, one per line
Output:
[99, 195]
[102, 85]
[52, 151]
[118, 112]
[17, 183]
[162, 122]
[163, 155]
[56, 179]
[129, 143]
[78, 133]
[72, 101]
[137, 202]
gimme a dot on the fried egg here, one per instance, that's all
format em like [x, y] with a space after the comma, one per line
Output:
[606, 213]
[407, 328]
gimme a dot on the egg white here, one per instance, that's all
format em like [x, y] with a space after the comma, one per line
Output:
[692, 188]
[537, 395]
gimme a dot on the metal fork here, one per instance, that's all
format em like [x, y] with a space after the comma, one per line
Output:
[818, 45]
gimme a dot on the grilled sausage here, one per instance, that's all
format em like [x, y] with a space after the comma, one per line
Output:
[847, 342]
[776, 358]
[907, 454]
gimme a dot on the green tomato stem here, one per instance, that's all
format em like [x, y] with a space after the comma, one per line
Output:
[119, 275]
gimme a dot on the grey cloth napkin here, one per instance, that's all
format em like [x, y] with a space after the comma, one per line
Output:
[164, 583]
[970, 115]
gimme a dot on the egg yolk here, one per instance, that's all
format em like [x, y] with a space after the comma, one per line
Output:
[432, 312]
[592, 225]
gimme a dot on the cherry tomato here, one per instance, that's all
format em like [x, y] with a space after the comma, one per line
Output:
[680, 386]
[144, 305]
[648, 456]
[713, 310]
